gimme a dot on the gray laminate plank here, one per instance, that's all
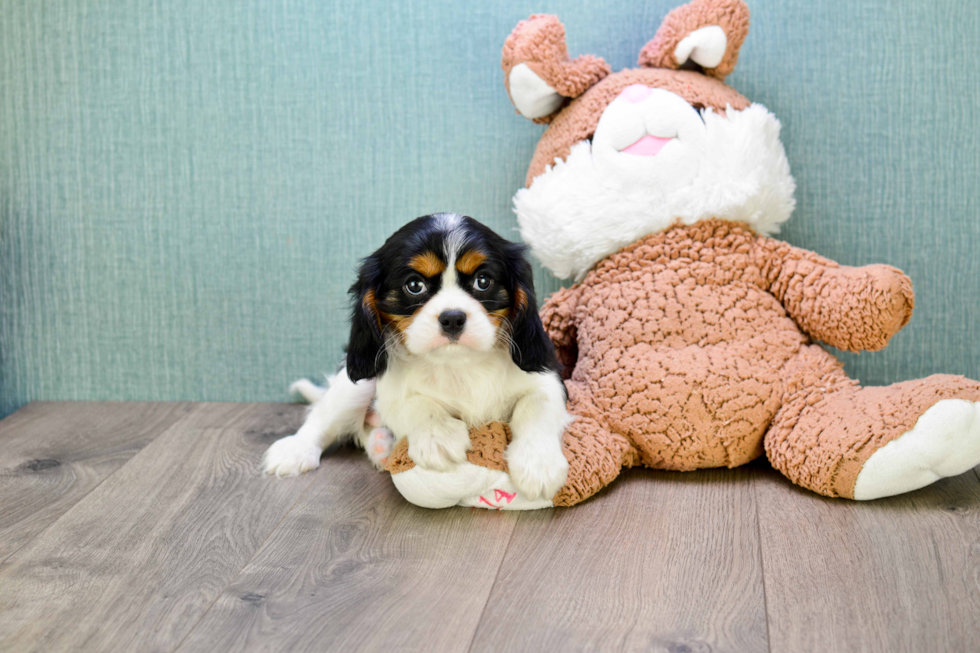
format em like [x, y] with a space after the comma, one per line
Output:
[658, 561]
[896, 574]
[53, 454]
[354, 567]
[134, 564]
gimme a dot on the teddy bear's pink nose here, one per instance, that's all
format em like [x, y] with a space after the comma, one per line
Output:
[636, 92]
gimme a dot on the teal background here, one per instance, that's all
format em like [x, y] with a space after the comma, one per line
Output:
[185, 186]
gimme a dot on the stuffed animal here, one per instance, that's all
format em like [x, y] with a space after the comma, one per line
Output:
[689, 338]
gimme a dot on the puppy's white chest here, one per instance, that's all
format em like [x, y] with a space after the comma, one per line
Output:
[477, 393]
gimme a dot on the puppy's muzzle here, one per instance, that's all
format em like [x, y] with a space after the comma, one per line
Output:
[452, 323]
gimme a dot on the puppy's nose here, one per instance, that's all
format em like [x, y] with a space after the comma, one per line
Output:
[452, 323]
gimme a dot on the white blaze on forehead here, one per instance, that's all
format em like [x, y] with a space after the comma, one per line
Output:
[454, 236]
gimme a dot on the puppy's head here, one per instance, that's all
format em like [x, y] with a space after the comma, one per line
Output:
[445, 287]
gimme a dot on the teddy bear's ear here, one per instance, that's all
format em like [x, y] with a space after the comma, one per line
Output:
[538, 74]
[708, 33]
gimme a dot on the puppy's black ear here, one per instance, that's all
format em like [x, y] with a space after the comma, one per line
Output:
[366, 355]
[532, 349]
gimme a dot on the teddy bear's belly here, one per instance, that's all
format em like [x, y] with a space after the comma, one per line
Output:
[695, 382]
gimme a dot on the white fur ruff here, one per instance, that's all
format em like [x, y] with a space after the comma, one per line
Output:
[578, 212]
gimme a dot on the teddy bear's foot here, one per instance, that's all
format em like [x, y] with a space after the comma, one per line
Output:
[380, 442]
[945, 441]
[897, 438]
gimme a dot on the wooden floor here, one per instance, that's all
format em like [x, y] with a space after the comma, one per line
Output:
[147, 526]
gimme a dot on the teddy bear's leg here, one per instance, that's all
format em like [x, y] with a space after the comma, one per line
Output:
[595, 454]
[841, 440]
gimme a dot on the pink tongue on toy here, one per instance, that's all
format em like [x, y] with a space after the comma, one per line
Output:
[647, 146]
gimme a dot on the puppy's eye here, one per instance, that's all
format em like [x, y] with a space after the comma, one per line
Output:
[482, 282]
[415, 286]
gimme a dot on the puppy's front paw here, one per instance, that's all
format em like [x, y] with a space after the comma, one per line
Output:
[291, 456]
[537, 468]
[442, 448]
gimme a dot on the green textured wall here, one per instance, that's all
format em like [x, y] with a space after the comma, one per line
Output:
[185, 186]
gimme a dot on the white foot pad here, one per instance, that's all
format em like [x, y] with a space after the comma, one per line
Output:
[945, 441]
[379, 445]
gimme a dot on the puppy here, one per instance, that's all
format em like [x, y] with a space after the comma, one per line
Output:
[445, 335]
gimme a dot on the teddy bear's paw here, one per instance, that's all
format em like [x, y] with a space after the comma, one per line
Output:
[945, 441]
[441, 449]
[380, 442]
[291, 456]
[538, 469]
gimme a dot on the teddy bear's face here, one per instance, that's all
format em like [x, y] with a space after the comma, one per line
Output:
[653, 159]
[649, 137]
[635, 152]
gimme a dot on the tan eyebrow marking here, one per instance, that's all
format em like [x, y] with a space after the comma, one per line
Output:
[470, 261]
[427, 264]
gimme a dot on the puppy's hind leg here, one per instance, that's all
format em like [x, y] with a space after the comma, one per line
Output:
[378, 445]
[339, 413]
[376, 440]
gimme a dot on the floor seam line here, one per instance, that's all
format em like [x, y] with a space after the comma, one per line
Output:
[91, 490]
[239, 572]
[762, 562]
[496, 577]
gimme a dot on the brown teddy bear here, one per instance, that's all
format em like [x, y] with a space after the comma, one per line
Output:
[688, 340]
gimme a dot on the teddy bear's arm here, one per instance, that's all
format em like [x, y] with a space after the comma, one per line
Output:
[854, 309]
[558, 317]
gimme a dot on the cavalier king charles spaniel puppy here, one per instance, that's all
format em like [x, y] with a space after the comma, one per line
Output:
[445, 335]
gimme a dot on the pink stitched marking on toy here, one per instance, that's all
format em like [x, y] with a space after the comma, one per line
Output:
[501, 493]
[489, 504]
